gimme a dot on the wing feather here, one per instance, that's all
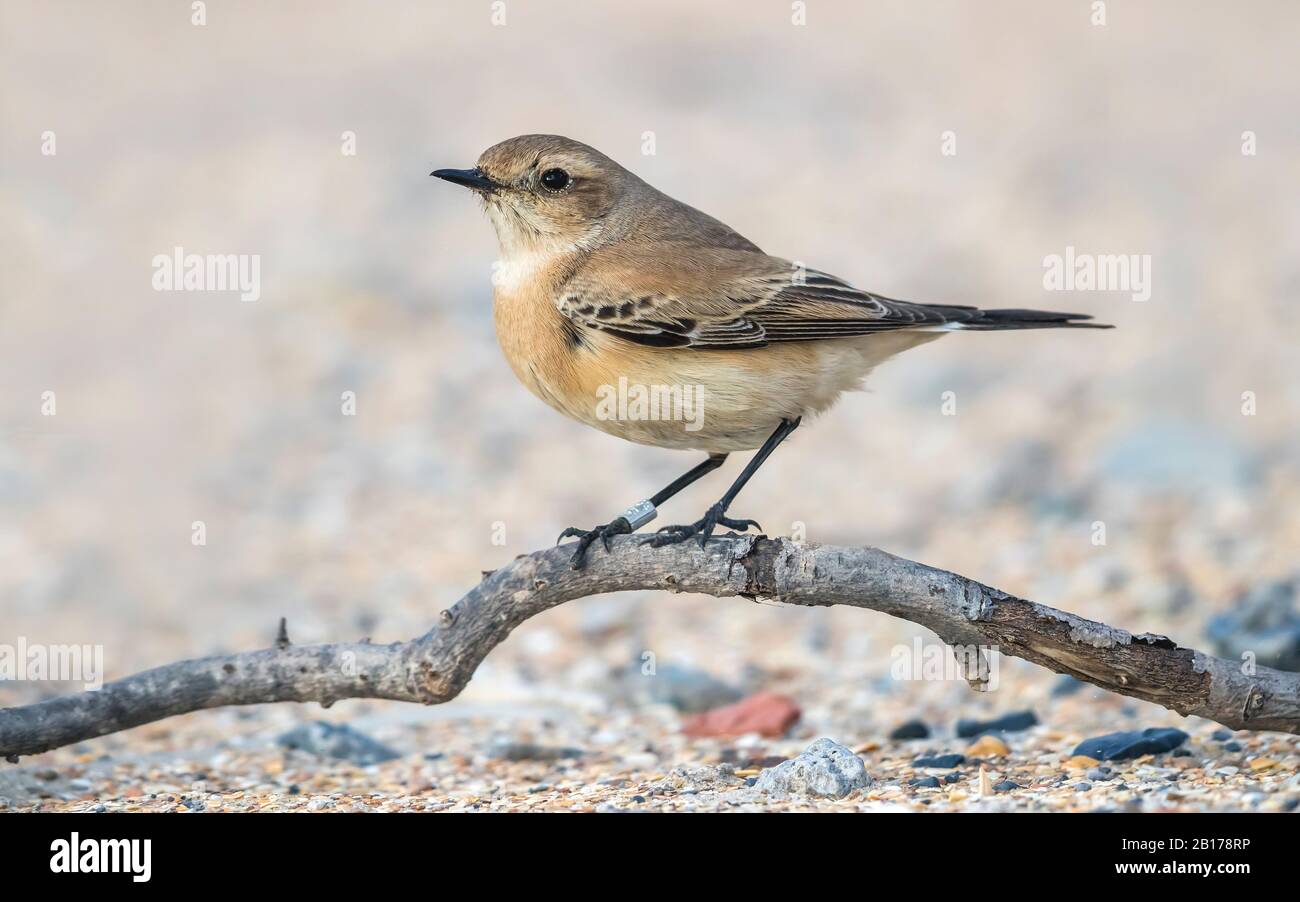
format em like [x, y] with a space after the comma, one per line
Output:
[720, 298]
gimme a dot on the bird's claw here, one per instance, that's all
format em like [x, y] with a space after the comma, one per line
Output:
[586, 537]
[701, 529]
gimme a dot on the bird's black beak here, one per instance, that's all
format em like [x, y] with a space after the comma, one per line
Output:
[470, 178]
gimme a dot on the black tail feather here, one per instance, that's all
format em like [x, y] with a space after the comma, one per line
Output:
[992, 320]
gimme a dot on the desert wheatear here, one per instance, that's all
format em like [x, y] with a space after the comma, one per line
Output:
[647, 319]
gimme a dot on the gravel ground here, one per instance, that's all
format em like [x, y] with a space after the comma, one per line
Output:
[638, 763]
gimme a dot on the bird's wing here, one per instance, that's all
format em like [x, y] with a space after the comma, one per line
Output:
[683, 296]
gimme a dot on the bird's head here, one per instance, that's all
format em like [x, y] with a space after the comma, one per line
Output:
[545, 193]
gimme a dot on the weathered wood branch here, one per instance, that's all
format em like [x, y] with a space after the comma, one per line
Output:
[435, 667]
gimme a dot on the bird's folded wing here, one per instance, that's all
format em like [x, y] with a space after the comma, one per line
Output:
[718, 299]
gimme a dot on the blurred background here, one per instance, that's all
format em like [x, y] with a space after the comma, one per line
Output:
[821, 142]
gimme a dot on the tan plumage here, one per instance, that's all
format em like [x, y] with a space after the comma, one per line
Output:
[604, 279]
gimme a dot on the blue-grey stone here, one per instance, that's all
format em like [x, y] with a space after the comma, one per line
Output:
[941, 761]
[1007, 723]
[913, 729]
[1066, 685]
[1131, 744]
[684, 688]
[509, 750]
[336, 741]
[1265, 622]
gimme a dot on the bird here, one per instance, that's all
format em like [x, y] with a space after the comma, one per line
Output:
[608, 291]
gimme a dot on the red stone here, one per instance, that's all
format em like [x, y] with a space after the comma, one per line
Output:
[766, 713]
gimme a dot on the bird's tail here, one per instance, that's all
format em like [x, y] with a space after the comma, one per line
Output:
[997, 320]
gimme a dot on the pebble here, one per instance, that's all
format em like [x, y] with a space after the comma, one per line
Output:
[765, 713]
[684, 688]
[1066, 685]
[1007, 723]
[1005, 786]
[988, 746]
[509, 750]
[1232, 746]
[1221, 735]
[945, 762]
[825, 769]
[336, 741]
[1080, 762]
[925, 782]
[1265, 621]
[912, 729]
[1100, 774]
[1083, 787]
[1131, 744]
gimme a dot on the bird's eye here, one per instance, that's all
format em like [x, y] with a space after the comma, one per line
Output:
[555, 179]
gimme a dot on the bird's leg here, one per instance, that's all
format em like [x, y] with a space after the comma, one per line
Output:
[637, 515]
[716, 515]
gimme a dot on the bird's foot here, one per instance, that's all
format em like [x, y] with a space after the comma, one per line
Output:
[701, 529]
[586, 537]
[633, 518]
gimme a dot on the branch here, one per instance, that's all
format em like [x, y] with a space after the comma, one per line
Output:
[435, 667]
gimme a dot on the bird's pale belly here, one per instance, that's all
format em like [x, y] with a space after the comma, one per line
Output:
[715, 401]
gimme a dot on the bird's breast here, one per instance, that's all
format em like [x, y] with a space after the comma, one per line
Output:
[537, 341]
